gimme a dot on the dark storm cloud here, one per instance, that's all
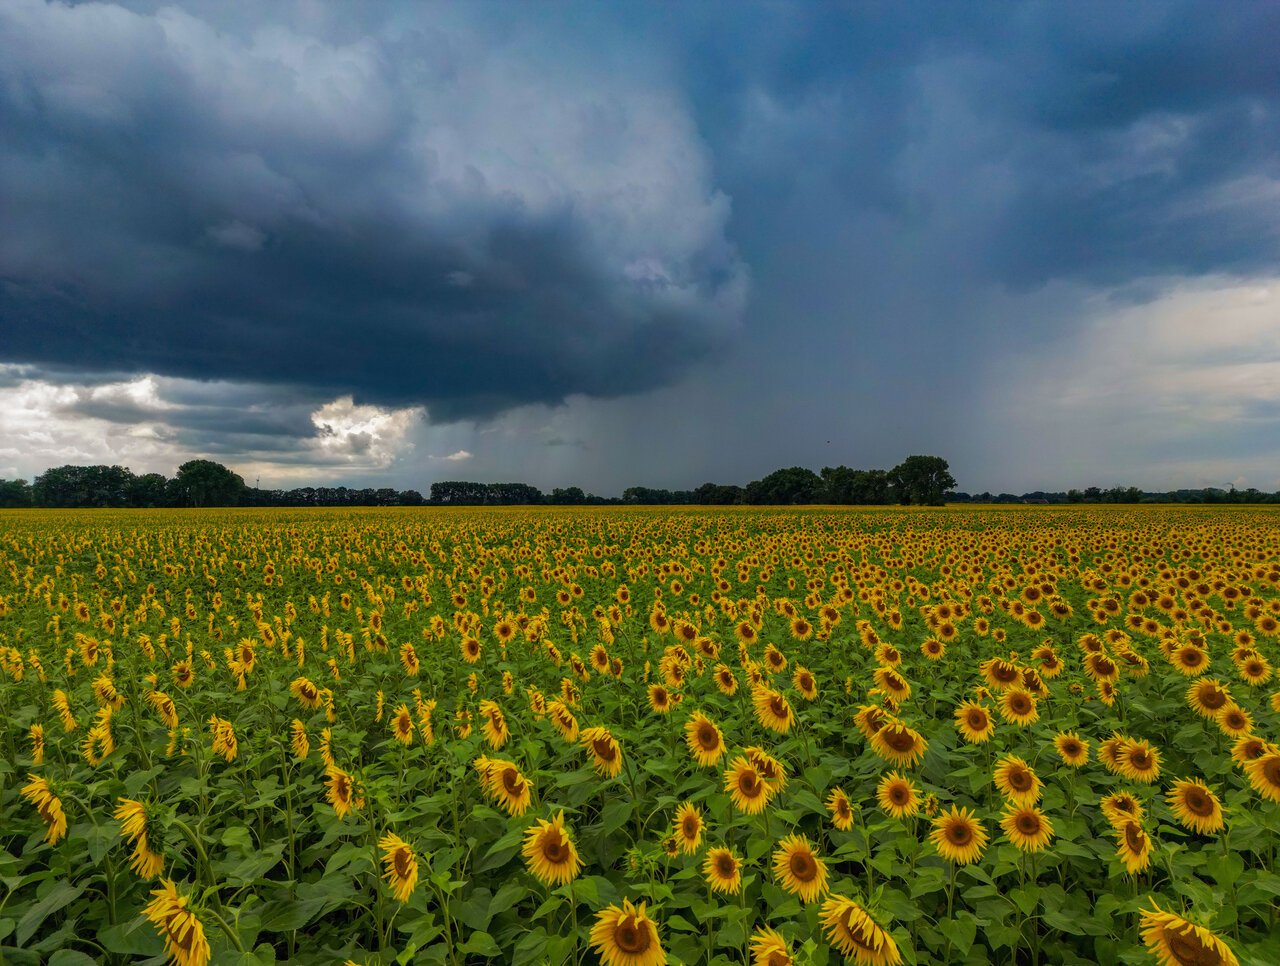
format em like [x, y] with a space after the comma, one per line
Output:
[394, 216]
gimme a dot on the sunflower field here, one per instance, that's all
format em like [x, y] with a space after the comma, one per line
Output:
[638, 737]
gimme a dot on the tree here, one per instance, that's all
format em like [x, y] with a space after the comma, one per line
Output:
[201, 483]
[793, 485]
[922, 480]
[15, 493]
[148, 490]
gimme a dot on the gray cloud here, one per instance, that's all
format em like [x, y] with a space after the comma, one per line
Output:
[405, 215]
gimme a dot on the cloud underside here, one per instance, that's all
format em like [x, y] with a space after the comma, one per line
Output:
[409, 217]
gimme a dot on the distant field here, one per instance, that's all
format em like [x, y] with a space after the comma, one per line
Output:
[631, 736]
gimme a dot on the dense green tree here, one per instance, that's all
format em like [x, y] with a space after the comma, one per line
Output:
[15, 493]
[200, 483]
[922, 480]
[793, 485]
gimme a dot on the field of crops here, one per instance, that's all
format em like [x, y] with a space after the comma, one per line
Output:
[640, 737]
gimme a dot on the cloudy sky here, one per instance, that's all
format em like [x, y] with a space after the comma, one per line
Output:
[613, 244]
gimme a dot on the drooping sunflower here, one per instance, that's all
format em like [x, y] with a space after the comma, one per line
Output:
[132, 816]
[704, 740]
[1072, 749]
[771, 769]
[549, 852]
[723, 871]
[897, 795]
[841, 809]
[49, 805]
[563, 721]
[1017, 781]
[892, 683]
[1175, 941]
[1018, 706]
[298, 739]
[1133, 846]
[746, 787]
[510, 788]
[626, 936]
[726, 680]
[401, 865]
[899, 744]
[606, 753]
[1027, 827]
[1247, 748]
[858, 937]
[307, 693]
[772, 709]
[974, 723]
[1195, 806]
[495, 729]
[958, 836]
[769, 948]
[798, 868]
[688, 827]
[183, 934]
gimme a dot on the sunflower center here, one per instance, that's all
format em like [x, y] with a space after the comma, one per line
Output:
[959, 834]
[1271, 771]
[631, 937]
[1139, 759]
[708, 737]
[899, 794]
[977, 720]
[777, 706]
[1197, 802]
[900, 740]
[1134, 837]
[400, 862]
[802, 866]
[1028, 824]
[1020, 780]
[554, 848]
[1187, 948]
[603, 749]
[1020, 704]
[749, 785]
[725, 866]
[512, 782]
[690, 826]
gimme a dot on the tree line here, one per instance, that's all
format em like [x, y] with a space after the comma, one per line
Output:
[924, 480]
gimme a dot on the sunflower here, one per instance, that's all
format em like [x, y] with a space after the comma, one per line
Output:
[1233, 720]
[36, 733]
[298, 739]
[769, 948]
[132, 816]
[704, 740]
[897, 795]
[1134, 847]
[49, 805]
[1175, 941]
[772, 709]
[798, 868]
[892, 683]
[471, 649]
[1255, 670]
[772, 771]
[627, 937]
[933, 649]
[1190, 660]
[509, 787]
[805, 683]
[1139, 761]
[726, 681]
[1018, 706]
[899, 744]
[496, 732]
[688, 827]
[1196, 806]
[182, 932]
[958, 836]
[746, 787]
[401, 865]
[1264, 775]
[1000, 674]
[340, 790]
[1109, 752]
[224, 738]
[974, 723]
[1017, 781]
[308, 695]
[869, 719]
[1027, 827]
[723, 871]
[801, 629]
[409, 659]
[858, 937]
[1072, 749]
[606, 754]
[402, 725]
[1247, 748]
[563, 721]
[1121, 807]
[841, 810]
[660, 699]
[549, 852]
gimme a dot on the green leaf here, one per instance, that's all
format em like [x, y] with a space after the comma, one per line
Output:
[56, 898]
[481, 944]
[286, 915]
[134, 938]
[506, 897]
[71, 957]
